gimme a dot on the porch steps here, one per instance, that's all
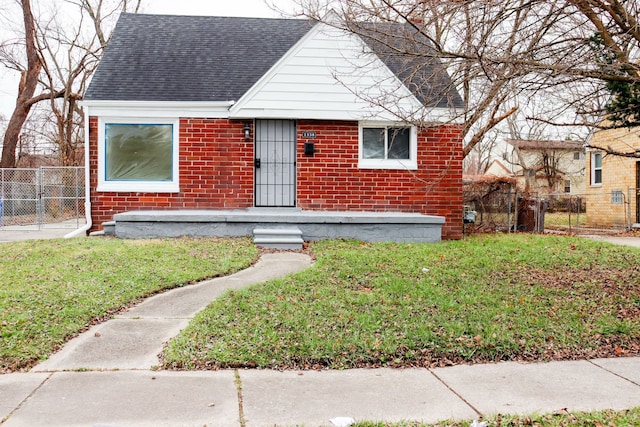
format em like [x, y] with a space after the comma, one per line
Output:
[109, 228]
[278, 238]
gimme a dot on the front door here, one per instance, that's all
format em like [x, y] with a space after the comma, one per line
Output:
[275, 163]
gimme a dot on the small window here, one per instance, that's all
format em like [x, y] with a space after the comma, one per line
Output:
[616, 197]
[567, 186]
[387, 147]
[596, 169]
[577, 155]
[385, 143]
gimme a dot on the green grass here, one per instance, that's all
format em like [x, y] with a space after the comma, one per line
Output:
[488, 298]
[51, 290]
[564, 219]
[606, 418]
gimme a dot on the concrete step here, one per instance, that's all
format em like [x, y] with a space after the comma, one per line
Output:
[109, 228]
[278, 238]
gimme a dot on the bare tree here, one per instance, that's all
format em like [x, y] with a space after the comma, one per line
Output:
[26, 89]
[478, 161]
[500, 55]
[64, 44]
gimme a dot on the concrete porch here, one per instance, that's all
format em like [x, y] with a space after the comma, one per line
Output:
[313, 225]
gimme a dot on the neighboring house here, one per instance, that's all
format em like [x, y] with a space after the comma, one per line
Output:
[547, 167]
[613, 196]
[498, 169]
[212, 113]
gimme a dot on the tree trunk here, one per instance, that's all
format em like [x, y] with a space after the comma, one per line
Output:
[27, 88]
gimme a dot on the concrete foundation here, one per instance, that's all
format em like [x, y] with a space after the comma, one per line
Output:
[315, 225]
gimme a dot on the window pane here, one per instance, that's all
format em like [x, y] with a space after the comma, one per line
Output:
[616, 197]
[597, 176]
[139, 152]
[372, 143]
[597, 160]
[398, 140]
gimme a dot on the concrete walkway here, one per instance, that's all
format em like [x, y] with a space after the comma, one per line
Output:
[106, 378]
[617, 240]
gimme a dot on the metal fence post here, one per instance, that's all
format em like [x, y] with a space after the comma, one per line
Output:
[509, 209]
[39, 207]
[629, 208]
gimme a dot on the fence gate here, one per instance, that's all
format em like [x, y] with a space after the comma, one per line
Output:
[51, 197]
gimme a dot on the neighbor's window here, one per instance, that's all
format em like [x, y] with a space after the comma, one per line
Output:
[596, 168]
[567, 186]
[391, 147]
[138, 156]
[616, 197]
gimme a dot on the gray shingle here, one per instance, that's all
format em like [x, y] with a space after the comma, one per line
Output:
[208, 58]
[190, 58]
[411, 56]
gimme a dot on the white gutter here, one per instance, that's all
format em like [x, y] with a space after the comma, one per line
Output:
[87, 189]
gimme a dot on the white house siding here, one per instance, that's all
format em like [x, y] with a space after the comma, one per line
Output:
[327, 75]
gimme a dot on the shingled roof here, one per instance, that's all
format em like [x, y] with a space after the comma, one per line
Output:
[534, 144]
[190, 58]
[207, 58]
[412, 57]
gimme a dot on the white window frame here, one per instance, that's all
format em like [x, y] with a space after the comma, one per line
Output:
[594, 169]
[104, 185]
[407, 164]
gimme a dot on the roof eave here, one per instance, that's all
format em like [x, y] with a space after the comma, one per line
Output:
[200, 109]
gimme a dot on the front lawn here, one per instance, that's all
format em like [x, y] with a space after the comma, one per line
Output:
[488, 298]
[52, 289]
[607, 418]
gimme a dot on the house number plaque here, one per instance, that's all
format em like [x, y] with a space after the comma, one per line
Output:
[308, 134]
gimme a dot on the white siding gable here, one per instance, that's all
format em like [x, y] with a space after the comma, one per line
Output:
[329, 75]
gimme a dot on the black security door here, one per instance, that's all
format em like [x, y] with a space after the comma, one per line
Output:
[275, 163]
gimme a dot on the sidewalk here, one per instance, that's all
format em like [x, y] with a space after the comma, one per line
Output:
[106, 377]
[310, 398]
[13, 233]
[617, 240]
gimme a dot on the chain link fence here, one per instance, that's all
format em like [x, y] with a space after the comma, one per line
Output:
[497, 206]
[49, 197]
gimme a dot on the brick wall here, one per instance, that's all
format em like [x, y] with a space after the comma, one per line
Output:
[331, 180]
[618, 174]
[216, 172]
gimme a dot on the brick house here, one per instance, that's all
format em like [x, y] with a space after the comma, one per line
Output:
[202, 115]
[613, 194]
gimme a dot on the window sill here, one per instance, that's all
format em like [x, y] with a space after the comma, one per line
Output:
[388, 164]
[138, 187]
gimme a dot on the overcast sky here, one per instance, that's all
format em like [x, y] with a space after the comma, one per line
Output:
[255, 8]
[250, 8]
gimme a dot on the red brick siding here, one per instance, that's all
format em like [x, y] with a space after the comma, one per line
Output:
[331, 180]
[216, 172]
